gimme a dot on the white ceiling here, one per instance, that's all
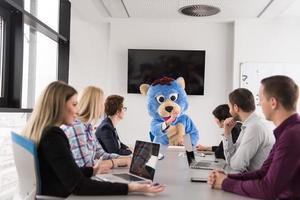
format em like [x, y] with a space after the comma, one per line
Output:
[293, 10]
[230, 9]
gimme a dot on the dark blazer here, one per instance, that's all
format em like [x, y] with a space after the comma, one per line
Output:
[108, 137]
[235, 132]
[60, 175]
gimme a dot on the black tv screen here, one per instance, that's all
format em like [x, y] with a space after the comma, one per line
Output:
[147, 65]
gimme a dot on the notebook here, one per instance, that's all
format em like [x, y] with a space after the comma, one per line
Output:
[203, 164]
[143, 164]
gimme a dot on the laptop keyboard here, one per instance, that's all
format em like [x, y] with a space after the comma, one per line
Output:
[128, 177]
[202, 164]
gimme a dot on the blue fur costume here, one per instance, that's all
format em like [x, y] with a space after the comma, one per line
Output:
[165, 95]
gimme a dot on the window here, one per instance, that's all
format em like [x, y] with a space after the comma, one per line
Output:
[34, 36]
[39, 65]
[46, 11]
[40, 51]
[39, 40]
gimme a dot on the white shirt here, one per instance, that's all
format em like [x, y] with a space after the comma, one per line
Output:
[252, 147]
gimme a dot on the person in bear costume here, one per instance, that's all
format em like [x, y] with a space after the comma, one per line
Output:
[167, 102]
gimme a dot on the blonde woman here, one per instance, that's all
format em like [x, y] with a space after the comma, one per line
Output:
[60, 175]
[85, 147]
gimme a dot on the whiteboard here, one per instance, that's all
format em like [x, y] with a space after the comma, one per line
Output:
[252, 73]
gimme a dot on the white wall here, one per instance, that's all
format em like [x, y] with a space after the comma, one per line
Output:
[272, 41]
[88, 46]
[215, 38]
[99, 57]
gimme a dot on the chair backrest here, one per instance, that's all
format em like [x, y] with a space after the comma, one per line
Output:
[26, 160]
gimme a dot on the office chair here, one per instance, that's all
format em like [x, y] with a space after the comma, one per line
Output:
[26, 160]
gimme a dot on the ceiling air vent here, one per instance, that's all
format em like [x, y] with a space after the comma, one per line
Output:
[199, 10]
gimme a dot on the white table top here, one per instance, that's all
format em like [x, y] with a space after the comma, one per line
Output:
[174, 172]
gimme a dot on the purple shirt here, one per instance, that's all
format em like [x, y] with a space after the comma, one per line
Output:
[279, 177]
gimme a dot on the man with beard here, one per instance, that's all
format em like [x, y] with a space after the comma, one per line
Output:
[255, 140]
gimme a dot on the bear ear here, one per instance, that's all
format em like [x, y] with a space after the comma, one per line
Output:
[144, 89]
[181, 82]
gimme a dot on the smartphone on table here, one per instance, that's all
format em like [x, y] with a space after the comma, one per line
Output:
[198, 179]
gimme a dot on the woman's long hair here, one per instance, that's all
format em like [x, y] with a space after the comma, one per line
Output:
[48, 111]
[90, 105]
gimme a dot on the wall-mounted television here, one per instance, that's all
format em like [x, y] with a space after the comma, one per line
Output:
[147, 65]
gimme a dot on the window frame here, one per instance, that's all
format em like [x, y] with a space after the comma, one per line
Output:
[13, 78]
[4, 89]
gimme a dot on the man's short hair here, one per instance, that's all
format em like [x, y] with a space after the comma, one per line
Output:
[283, 89]
[221, 112]
[243, 98]
[113, 104]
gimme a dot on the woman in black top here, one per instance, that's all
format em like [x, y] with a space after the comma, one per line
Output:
[106, 132]
[60, 176]
[221, 113]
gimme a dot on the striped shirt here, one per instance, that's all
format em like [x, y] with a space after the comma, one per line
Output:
[84, 144]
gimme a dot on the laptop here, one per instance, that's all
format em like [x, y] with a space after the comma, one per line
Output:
[142, 167]
[203, 164]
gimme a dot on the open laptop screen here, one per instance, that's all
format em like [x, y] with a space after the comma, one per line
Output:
[188, 148]
[144, 159]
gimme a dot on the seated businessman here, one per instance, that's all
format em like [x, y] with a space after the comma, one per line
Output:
[255, 140]
[279, 177]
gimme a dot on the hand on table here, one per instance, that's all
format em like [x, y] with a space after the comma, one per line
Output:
[123, 161]
[145, 187]
[216, 178]
[101, 167]
[200, 147]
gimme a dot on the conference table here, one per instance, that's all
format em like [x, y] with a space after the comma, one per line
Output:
[174, 172]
